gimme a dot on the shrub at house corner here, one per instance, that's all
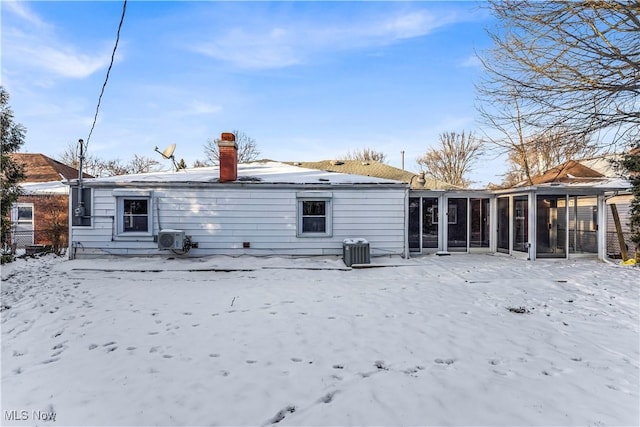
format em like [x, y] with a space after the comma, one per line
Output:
[12, 138]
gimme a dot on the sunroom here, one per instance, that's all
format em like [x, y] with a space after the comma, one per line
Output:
[465, 225]
[554, 220]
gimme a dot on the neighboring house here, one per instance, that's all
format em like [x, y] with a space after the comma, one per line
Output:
[40, 215]
[378, 170]
[259, 208]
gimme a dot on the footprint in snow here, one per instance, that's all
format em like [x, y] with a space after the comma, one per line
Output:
[327, 398]
[381, 365]
[92, 346]
[444, 361]
[296, 359]
[214, 355]
[281, 415]
[251, 362]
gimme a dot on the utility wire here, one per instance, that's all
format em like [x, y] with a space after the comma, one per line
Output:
[104, 85]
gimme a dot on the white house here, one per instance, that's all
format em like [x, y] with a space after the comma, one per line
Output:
[272, 208]
[261, 208]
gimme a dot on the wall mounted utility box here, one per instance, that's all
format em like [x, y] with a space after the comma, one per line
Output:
[355, 251]
[171, 239]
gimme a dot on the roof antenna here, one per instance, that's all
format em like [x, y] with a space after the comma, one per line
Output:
[168, 154]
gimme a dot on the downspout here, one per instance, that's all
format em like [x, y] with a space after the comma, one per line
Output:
[406, 223]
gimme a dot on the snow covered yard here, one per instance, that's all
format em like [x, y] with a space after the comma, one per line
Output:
[458, 340]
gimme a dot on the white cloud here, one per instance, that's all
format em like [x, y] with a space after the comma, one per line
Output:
[24, 13]
[31, 46]
[279, 46]
[199, 107]
[271, 48]
[472, 62]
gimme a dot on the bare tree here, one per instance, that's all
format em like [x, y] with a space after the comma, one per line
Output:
[71, 157]
[570, 64]
[539, 153]
[247, 149]
[453, 159]
[142, 164]
[100, 167]
[365, 154]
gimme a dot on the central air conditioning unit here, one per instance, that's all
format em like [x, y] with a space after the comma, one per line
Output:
[171, 239]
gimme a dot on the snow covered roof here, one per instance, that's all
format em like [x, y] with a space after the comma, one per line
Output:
[377, 169]
[42, 188]
[268, 172]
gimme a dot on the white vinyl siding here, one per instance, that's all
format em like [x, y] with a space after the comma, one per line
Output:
[222, 220]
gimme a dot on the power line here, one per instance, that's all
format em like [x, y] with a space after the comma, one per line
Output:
[104, 85]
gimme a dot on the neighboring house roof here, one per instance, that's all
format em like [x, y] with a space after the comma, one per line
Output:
[567, 172]
[597, 172]
[266, 172]
[40, 168]
[375, 169]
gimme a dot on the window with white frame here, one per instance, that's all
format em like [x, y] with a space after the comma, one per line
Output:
[22, 224]
[314, 217]
[134, 215]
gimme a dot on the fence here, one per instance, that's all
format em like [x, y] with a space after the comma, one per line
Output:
[54, 238]
[613, 245]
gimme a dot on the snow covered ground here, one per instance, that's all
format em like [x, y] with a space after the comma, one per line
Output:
[457, 340]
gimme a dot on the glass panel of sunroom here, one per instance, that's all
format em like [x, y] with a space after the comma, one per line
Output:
[583, 225]
[479, 236]
[457, 224]
[503, 224]
[521, 223]
[430, 222]
[414, 224]
[551, 227]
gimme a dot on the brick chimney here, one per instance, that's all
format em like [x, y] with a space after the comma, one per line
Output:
[228, 157]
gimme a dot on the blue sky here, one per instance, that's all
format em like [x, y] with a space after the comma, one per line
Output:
[307, 80]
